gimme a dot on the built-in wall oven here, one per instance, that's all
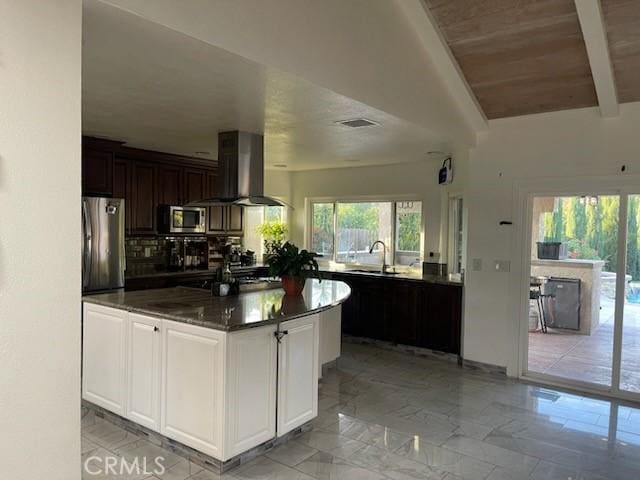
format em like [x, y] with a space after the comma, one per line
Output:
[174, 219]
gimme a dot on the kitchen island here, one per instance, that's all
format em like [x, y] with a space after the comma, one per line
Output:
[211, 377]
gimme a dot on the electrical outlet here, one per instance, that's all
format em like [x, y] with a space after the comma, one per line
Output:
[476, 264]
[502, 265]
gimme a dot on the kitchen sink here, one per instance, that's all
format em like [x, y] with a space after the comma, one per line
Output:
[371, 271]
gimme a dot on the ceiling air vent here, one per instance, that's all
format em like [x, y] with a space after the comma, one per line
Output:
[357, 123]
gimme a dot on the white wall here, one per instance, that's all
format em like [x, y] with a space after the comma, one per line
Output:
[562, 146]
[40, 286]
[419, 179]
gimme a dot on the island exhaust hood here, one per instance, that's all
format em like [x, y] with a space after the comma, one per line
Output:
[241, 172]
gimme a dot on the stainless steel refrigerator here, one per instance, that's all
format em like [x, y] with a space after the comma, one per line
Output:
[103, 256]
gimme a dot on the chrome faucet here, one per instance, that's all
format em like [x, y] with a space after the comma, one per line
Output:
[384, 254]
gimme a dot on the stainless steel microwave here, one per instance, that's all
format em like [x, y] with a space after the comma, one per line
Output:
[174, 219]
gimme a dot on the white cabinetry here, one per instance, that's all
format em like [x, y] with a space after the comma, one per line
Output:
[251, 389]
[212, 390]
[143, 383]
[104, 360]
[330, 336]
[297, 373]
[192, 386]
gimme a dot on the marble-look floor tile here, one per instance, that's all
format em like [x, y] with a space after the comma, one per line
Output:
[181, 471]
[101, 464]
[370, 433]
[263, 468]
[291, 453]
[488, 453]
[87, 446]
[445, 460]
[551, 471]
[144, 451]
[394, 466]
[324, 466]
[331, 443]
[389, 415]
[108, 435]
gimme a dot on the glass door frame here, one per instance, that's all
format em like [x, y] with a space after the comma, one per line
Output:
[526, 197]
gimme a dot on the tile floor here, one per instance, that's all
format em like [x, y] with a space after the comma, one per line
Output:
[589, 357]
[392, 416]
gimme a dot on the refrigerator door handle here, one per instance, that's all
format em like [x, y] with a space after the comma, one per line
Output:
[87, 245]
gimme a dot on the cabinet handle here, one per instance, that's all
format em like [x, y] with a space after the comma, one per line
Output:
[155, 329]
[281, 334]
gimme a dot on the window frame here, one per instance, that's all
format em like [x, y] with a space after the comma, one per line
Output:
[393, 199]
[457, 239]
[286, 213]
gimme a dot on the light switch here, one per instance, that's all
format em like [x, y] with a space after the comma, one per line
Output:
[147, 252]
[476, 264]
[502, 265]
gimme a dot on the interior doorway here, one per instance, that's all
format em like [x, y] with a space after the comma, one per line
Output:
[583, 317]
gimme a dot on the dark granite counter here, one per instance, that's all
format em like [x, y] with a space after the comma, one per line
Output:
[235, 312]
[402, 276]
[247, 269]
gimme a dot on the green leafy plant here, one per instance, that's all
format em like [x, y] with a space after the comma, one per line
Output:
[273, 234]
[288, 260]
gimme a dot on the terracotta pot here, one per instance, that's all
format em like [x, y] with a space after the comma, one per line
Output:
[293, 286]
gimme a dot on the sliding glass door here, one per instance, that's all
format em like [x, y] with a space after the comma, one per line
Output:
[629, 375]
[584, 292]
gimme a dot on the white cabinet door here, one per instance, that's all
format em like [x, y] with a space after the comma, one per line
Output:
[104, 359]
[330, 326]
[192, 386]
[143, 393]
[297, 373]
[251, 389]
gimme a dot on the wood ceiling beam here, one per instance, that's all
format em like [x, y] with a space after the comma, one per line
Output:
[444, 62]
[595, 39]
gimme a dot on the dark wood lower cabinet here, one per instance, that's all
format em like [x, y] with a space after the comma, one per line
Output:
[405, 312]
[443, 304]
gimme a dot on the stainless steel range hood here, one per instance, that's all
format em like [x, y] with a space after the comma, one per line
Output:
[241, 167]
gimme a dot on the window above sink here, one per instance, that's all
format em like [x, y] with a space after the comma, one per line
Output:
[343, 230]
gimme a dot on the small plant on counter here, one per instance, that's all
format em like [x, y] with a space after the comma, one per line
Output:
[273, 234]
[293, 266]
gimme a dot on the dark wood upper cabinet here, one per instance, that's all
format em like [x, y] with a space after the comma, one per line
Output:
[216, 223]
[143, 197]
[170, 185]
[226, 220]
[212, 186]
[97, 172]
[235, 220]
[122, 187]
[195, 180]
[146, 179]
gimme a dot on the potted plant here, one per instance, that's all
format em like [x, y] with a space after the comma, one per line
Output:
[293, 266]
[273, 234]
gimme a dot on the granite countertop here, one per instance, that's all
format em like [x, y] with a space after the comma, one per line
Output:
[234, 312]
[404, 276]
[194, 273]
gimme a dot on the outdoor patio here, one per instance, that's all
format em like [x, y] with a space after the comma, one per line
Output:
[588, 358]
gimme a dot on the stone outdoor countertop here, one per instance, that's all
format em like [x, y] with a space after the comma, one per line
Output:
[234, 312]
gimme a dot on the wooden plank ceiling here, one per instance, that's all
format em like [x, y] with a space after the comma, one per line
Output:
[518, 56]
[622, 20]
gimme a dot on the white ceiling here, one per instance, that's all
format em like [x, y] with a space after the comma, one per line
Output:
[162, 90]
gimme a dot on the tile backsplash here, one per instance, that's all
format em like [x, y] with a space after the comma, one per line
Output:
[145, 255]
[145, 247]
